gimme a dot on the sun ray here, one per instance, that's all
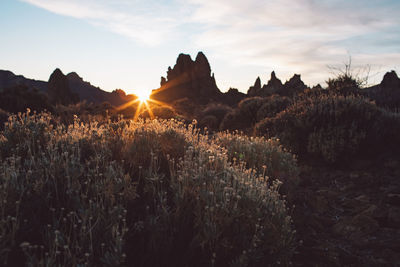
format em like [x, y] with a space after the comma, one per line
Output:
[143, 102]
[127, 104]
[149, 109]
[137, 112]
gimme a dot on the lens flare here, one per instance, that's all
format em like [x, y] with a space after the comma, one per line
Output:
[143, 96]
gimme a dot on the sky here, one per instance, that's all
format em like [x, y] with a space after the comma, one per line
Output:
[129, 44]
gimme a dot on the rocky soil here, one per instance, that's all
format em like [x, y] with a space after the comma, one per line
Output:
[349, 217]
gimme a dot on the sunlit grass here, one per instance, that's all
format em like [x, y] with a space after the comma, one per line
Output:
[114, 188]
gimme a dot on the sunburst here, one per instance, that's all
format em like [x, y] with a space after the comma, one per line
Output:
[144, 99]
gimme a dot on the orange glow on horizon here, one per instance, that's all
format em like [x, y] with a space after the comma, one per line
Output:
[144, 100]
[143, 95]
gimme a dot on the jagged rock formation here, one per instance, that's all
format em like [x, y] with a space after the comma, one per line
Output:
[188, 78]
[59, 91]
[275, 86]
[293, 86]
[9, 79]
[387, 93]
[390, 80]
[255, 90]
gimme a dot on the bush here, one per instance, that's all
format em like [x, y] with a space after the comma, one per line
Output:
[272, 106]
[185, 107]
[133, 193]
[209, 121]
[245, 116]
[249, 107]
[19, 98]
[213, 114]
[329, 126]
[266, 156]
[162, 112]
[234, 120]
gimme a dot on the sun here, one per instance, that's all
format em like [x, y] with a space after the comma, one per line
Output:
[143, 95]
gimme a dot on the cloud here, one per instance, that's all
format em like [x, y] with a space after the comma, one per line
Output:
[296, 35]
[302, 36]
[128, 18]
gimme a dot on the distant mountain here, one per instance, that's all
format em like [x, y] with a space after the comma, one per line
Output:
[9, 79]
[77, 85]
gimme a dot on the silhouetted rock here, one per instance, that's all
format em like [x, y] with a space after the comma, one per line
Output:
[59, 91]
[188, 78]
[293, 86]
[390, 80]
[387, 93]
[163, 81]
[274, 86]
[255, 89]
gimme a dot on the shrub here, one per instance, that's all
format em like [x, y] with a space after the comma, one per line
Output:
[185, 107]
[272, 106]
[329, 126]
[249, 107]
[243, 117]
[209, 121]
[266, 156]
[234, 120]
[162, 112]
[133, 193]
[213, 114]
[19, 98]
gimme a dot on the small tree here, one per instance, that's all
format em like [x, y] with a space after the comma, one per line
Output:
[349, 78]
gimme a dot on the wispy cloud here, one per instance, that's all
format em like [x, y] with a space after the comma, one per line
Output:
[296, 36]
[150, 23]
[289, 36]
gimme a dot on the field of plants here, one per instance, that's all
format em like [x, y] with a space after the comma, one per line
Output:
[125, 193]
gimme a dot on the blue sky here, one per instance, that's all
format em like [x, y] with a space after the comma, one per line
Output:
[129, 44]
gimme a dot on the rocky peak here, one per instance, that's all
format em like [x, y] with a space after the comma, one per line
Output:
[273, 86]
[74, 76]
[274, 82]
[293, 86]
[257, 84]
[190, 79]
[390, 80]
[255, 89]
[202, 65]
[58, 89]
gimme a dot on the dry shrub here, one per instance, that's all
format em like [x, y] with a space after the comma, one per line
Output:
[272, 106]
[161, 112]
[331, 127]
[213, 114]
[127, 193]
